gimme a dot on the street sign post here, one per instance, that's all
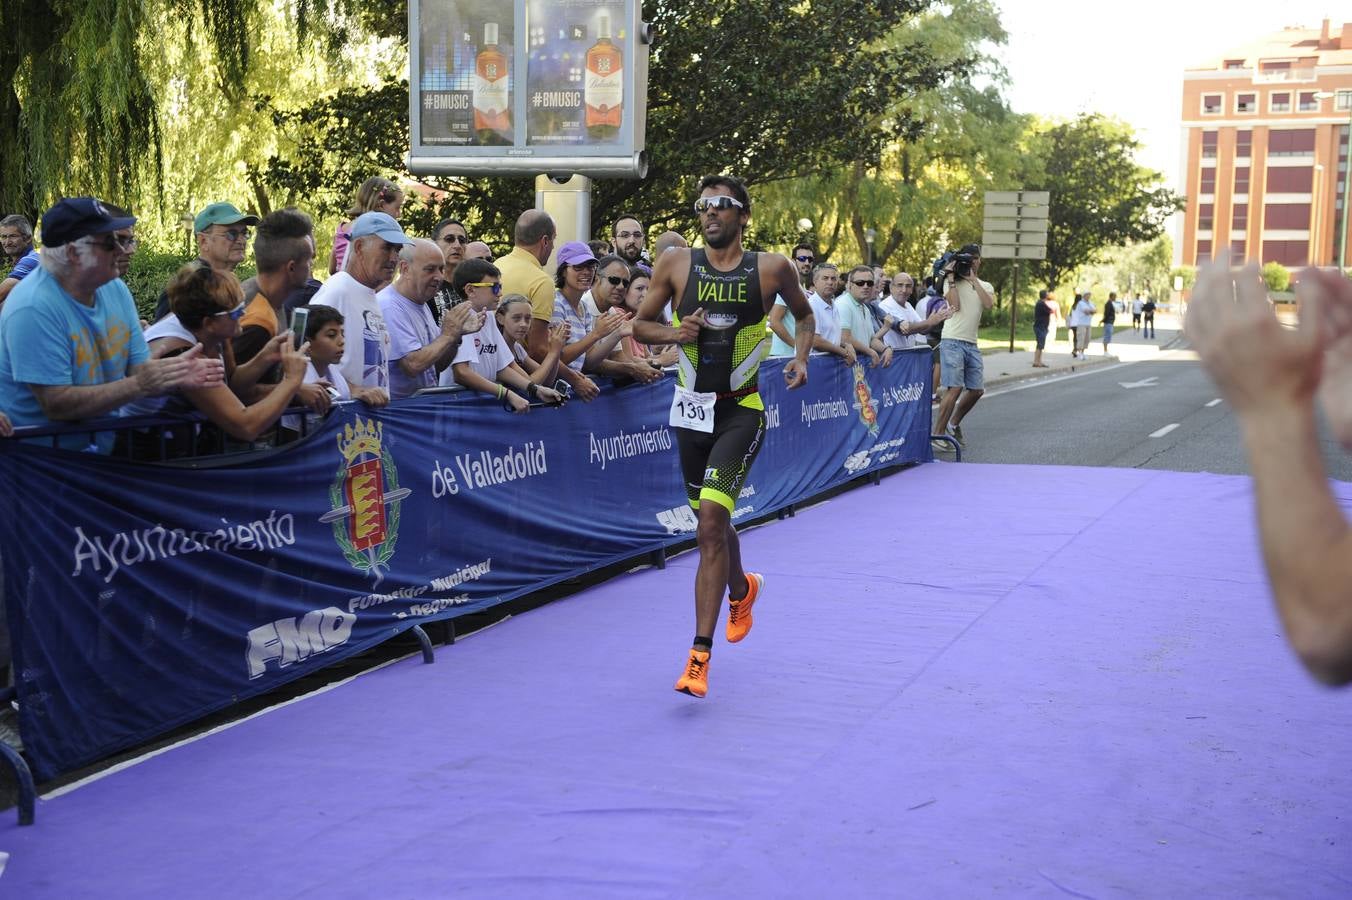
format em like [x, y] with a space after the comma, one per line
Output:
[1015, 227]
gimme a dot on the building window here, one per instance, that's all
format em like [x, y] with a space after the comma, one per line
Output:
[1246, 103]
[1291, 142]
[1208, 183]
[1212, 104]
[1243, 143]
[1204, 251]
[1286, 216]
[1232, 64]
[1308, 102]
[1242, 180]
[1288, 253]
[1279, 101]
[1239, 217]
[1209, 144]
[1205, 216]
[1237, 250]
[1290, 180]
[1342, 102]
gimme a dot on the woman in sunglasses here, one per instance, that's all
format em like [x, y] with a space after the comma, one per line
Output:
[590, 337]
[207, 306]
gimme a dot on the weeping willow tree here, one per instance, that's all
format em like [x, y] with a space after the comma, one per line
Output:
[79, 112]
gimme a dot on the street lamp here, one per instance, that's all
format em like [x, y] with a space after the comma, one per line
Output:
[1347, 177]
[870, 235]
[804, 224]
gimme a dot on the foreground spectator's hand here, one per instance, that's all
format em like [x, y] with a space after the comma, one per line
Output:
[586, 389]
[558, 337]
[795, 374]
[640, 371]
[187, 371]
[315, 396]
[611, 321]
[373, 397]
[460, 320]
[1328, 296]
[272, 350]
[549, 395]
[886, 357]
[688, 331]
[1262, 368]
[516, 402]
[6, 427]
[849, 357]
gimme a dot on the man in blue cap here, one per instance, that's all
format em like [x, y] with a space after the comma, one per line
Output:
[71, 346]
[373, 259]
[222, 239]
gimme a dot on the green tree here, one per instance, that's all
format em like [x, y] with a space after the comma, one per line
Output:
[1277, 277]
[1100, 196]
[945, 145]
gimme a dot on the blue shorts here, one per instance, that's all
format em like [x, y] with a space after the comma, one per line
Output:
[1107, 332]
[960, 365]
[1040, 332]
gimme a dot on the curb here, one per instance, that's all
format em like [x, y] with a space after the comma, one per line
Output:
[1053, 370]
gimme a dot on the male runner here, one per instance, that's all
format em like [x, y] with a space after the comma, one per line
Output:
[722, 294]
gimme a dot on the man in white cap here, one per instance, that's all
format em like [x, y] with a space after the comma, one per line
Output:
[373, 258]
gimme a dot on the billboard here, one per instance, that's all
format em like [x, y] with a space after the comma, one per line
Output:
[528, 87]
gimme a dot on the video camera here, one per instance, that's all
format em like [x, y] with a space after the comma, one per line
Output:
[962, 265]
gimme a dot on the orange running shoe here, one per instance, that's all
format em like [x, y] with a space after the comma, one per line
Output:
[695, 681]
[739, 611]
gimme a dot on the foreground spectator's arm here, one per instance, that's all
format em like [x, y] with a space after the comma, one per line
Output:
[465, 375]
[457, 322]
[1269, 375]
[245, 423]
[6, 286]
[776, 322]
[6, 427]
[72, 402]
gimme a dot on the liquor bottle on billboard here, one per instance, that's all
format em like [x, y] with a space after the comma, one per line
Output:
[492, 110]
[604, 87]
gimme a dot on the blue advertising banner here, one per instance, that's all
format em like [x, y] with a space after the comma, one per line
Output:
[143, 597]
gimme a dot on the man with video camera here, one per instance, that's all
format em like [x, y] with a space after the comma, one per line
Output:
[961, 374]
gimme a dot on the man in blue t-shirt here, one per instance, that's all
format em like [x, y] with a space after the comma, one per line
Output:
[71, 346]
[16, 239]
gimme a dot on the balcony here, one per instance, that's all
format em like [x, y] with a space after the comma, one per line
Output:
[1283, 76]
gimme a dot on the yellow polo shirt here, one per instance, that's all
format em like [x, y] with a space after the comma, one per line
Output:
[523, 274]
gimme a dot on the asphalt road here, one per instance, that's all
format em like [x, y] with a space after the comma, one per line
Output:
[1162, 413]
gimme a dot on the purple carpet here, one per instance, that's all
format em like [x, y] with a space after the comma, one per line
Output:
[968, 681]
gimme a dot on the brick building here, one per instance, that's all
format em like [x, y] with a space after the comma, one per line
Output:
[1265, 155]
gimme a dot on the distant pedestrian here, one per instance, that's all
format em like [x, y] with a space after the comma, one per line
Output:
[1136, 306]
[1109, 317]
[1081, 319]
[1148, 318]
[1045, 314]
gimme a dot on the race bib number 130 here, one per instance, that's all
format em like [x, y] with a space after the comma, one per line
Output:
[692, 410]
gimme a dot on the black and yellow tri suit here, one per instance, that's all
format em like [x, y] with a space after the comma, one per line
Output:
[724, 361]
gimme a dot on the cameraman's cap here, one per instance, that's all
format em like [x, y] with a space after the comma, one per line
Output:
[575, 253]
[222, 214]
[72, 218]
[382, 225]
[973, 249]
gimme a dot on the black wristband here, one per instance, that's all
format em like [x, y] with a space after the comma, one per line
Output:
[532, 389]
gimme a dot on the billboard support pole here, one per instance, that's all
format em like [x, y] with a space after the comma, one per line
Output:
[568, 203]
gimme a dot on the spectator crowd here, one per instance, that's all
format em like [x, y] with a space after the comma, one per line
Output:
[398, 314]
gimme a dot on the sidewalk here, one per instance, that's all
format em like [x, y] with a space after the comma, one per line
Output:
[1003, 367]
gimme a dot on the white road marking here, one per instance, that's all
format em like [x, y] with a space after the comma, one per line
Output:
[1144, 382]
[1215, 402]
[1163, 431]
